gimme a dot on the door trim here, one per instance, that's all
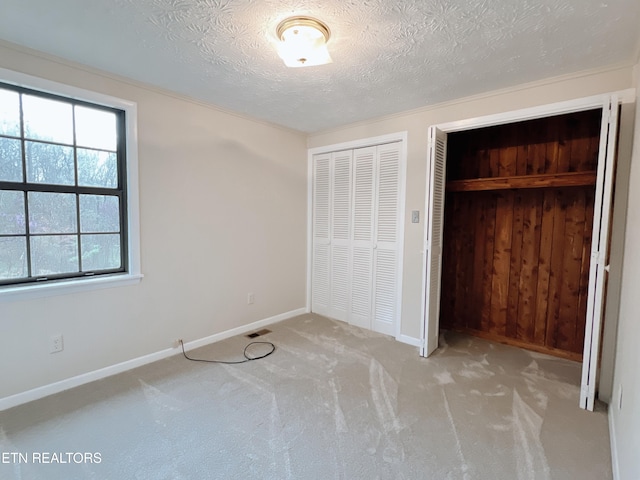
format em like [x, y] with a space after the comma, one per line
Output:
[531, 113]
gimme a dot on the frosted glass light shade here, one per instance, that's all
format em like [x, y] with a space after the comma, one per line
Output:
[303, 42]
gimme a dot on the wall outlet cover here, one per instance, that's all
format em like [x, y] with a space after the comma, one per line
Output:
[56, 343]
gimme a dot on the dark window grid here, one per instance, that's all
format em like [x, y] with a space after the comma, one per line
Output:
[61, 98]
[61, 189]
[61, 276]
[78, 233]
[51, 188]
[58, 144]
[69, 275]
[120, 126]
[57, 234]
[122, 184]
[33, 185]
[26, 187]
[54, 189]
[39, 140]
[75, 179]
[23, 155]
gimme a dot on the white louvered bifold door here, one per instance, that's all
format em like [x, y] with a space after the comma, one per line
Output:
[340, 234]
[356, 236]
[362, 236]
[599, 267]
[320, 280]
[385, 245]
[433, 250]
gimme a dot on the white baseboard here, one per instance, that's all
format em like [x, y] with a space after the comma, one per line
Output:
[66, 384]
[243, 329]
[614, 448]
[416, 342]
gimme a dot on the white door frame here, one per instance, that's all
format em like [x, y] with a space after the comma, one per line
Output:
[577, 105]
[360, 143]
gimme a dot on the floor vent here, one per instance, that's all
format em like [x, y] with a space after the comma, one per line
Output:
[259, 333]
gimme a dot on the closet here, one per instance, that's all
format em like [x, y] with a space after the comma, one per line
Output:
[522, 191]
[518, 222]
[356, 231]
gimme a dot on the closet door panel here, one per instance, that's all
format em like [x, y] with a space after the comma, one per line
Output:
[340, 234]
[321, 292]
[433, 251]
[320, 281]
[341, 204]
[385, 287]
[339, 282]
[360, 314]
[362, 237]
[388, 194]
[363, 171]
[385, 245]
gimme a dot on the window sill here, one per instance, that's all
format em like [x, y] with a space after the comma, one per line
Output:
[65, 287]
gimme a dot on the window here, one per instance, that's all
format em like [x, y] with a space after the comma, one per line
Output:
[63, 188]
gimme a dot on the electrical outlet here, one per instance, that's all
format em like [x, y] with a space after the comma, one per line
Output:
[56, 343]
[250, 298]
[415, 216]
[176, 342]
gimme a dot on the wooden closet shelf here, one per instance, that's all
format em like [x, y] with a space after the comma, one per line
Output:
[546, 180]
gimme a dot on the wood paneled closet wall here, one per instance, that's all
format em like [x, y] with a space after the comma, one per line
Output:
[517, 231]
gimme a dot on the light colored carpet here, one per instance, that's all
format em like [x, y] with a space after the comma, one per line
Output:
[333, 402]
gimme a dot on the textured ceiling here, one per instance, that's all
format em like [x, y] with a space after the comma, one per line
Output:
[389, 56]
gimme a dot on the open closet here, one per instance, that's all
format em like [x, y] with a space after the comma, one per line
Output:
[517, 236]
[517, 231]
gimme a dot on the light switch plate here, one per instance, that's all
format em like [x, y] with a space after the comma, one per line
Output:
[415, 216]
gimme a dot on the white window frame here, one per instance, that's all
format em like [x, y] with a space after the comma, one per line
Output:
[134, 274]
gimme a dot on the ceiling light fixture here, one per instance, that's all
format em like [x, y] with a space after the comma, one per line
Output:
[303, 42]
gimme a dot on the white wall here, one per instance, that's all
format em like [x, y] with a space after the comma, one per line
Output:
[417, 123]
[223, 213]
[625, 420]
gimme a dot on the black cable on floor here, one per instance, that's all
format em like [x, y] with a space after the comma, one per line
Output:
[247, 358]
